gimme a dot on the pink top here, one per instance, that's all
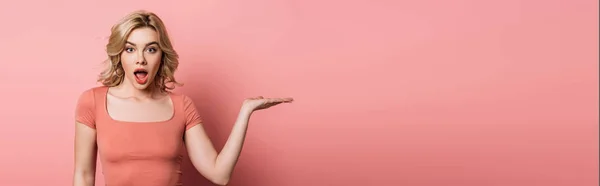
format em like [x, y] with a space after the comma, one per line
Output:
[138, 153]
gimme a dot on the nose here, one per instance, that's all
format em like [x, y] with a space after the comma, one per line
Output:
[140, 59]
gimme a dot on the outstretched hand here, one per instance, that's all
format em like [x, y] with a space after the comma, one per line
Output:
[259, 103]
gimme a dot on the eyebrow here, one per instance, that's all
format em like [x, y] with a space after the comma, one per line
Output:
[151, 43]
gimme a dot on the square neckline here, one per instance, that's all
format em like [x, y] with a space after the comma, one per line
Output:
[105, 110]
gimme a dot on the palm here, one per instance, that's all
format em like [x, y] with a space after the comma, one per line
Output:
[258, 103]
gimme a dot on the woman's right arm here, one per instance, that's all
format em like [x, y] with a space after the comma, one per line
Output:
[85, 155]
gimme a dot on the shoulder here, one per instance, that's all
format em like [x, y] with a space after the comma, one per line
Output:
[192, 117]
[88, 96]
[85, 111]
[94, 90]
[181, 97]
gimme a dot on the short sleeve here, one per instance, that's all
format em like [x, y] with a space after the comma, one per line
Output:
[85, 111]
[192, 117]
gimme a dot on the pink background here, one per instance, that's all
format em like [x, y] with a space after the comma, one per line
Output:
[414, 93]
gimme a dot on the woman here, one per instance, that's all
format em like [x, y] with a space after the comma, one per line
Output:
[137, 126]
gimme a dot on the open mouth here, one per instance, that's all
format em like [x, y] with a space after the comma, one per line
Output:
[141, 75]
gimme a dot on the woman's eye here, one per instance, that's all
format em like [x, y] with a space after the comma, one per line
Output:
[151, 50]
[129, 50]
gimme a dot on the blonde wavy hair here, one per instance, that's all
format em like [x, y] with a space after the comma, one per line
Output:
[114, 74]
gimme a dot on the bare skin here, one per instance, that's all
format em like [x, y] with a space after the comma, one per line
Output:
[85, 155]
[136, 102]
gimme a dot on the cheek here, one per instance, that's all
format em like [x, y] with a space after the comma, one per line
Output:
[127, 58]
[154, 60]
[154, 63]
[127, 61]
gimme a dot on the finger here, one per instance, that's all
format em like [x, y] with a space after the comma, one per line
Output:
[276, 100]
[271, 104]
[284, 100]
[257, 97]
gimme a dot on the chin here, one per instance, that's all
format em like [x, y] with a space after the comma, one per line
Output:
[141, 86]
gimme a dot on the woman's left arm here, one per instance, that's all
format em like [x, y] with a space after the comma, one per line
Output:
[217, 167]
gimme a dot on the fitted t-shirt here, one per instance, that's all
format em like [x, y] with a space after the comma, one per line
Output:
[138, 153]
